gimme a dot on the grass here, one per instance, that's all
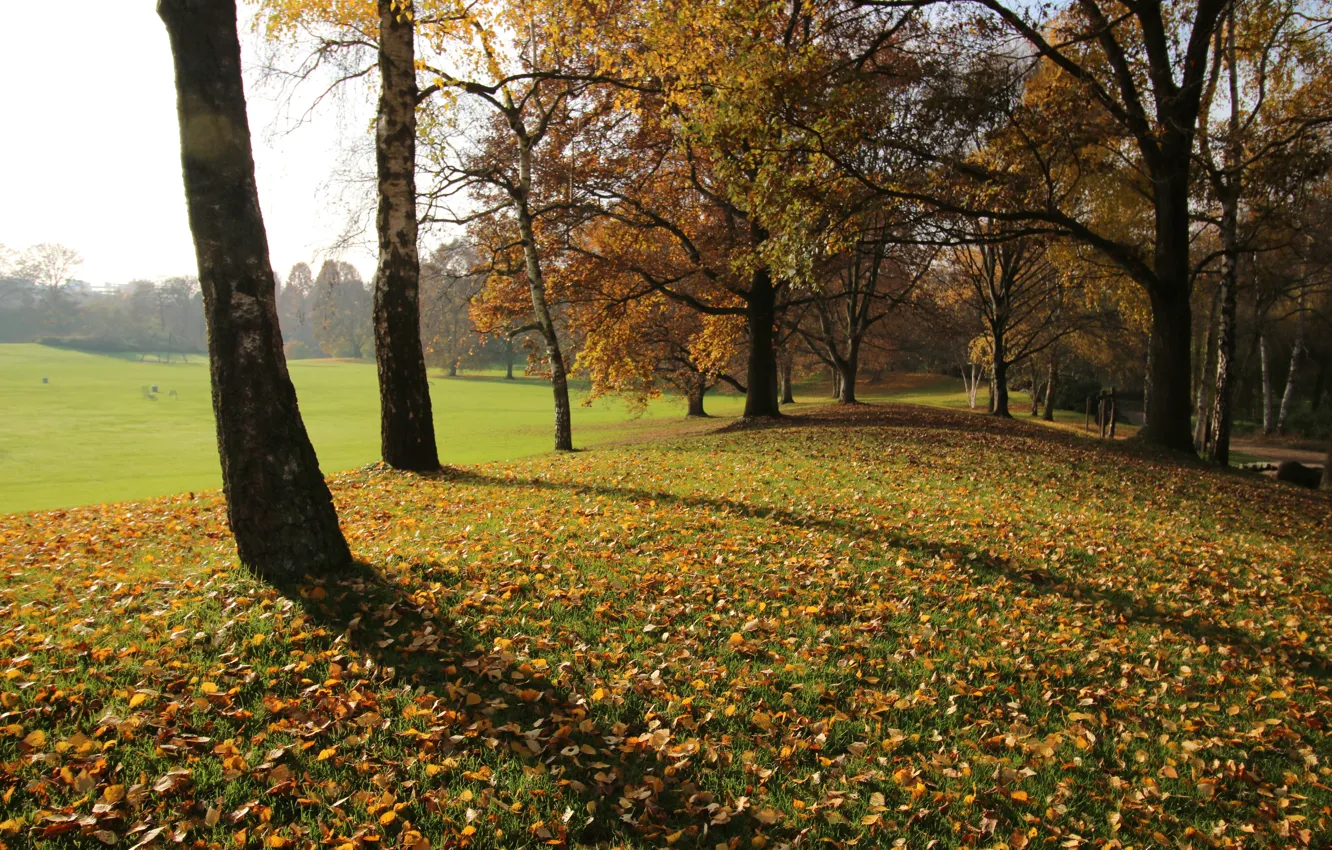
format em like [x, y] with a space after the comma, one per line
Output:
[877, 627]
[90, 435]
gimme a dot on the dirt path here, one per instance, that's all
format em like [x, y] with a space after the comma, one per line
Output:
[1276, 453]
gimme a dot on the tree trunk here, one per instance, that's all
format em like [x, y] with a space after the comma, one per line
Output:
[1035, 389]
[1147, 385]
[1296, 354]
[453, 368]
[836, 382]
[406, 422]
[1170, 374]
[1218, 443]
[847, 370]
[1265, 359]
[761, 376]
[787, 397]
[1051, 384]
[698, 387]
[278, 505]
[559, 380]
[999, 377]
[1205, 364]
[508, 359]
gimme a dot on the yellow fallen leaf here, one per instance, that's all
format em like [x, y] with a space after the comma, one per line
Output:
[210, 688]
[138, 700]
[35, 739]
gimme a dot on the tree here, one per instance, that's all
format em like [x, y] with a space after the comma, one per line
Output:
[515, 81]
[279, 508]
[1269, 84]
[295, 302]
[341, 310]
[50, 266]
[857, 289]
[448, 285]
[342, 33]
[1104, 104]
[407, 425]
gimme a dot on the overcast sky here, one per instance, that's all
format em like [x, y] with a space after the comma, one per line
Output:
[89, 148]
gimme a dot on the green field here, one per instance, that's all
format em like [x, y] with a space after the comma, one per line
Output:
[91, 436]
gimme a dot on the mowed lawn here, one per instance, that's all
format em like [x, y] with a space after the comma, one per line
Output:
[890, 626]
[91, 436]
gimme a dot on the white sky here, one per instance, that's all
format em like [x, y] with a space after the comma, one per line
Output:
[89, 148]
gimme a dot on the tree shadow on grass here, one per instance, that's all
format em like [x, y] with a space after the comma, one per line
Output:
[486, 702]
[1126, 607]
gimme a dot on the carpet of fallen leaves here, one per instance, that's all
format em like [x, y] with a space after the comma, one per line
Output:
[888, 627]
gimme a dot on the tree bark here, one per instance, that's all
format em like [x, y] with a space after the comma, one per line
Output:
[1170, 376]
[787, 397]
[1051, 384]
[1296, 354]
[406, 421]
[698, 387]
[999, 377]
[1265, 358]
[1218, 443]
[848, 369]
[508, 358]
[559, 379]
[1147, 385]
[761, 375]
[1035, 389]
[278, 506]
[1205, 364]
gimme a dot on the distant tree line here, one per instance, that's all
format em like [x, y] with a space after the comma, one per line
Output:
[41, 301]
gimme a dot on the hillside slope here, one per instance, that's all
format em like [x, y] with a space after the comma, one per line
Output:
[889, 623]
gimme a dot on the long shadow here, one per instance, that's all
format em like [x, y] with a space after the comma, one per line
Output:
[1040, 580]
[473, 686]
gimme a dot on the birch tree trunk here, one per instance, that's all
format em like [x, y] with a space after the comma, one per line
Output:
[278, 506]
[1296, 354]
[406, 421]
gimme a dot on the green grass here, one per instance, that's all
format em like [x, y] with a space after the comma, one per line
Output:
[91, 436]
[856, 628]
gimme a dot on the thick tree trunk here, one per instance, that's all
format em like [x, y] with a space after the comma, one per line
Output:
[453, 368]
[698, 387]
[1147, 385]
[847, 371]
[278, 505]
[761, 375]
[1265, 363]
[836, 382]
[406, 422]
[787, 397]
[1051, 384]
[1172, 318]
[508, 359]
[1170, 373]
[1223, 414]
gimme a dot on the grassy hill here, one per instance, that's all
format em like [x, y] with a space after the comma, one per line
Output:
[892, 624]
